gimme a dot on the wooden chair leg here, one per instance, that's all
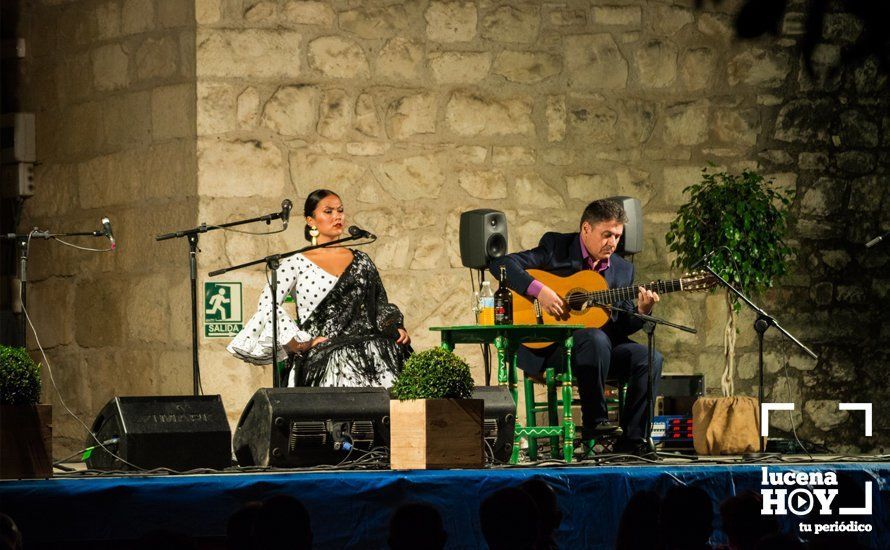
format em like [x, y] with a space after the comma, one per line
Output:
[552, 409]
[530, 419]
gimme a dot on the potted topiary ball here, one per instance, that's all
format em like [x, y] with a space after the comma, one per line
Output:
[433, 422]
[25, 426]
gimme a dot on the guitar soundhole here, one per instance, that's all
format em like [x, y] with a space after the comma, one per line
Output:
[576, 300]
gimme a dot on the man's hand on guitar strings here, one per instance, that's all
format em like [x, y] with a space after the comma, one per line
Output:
[646, 300]
[551, 302]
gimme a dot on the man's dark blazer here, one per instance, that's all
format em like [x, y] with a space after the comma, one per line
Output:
[560, 254]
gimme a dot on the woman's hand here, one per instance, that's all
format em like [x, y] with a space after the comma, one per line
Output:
[403, 337]
[300, 347]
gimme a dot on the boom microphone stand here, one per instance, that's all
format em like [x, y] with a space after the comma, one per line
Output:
[272, 263]
[23, 242]
[649, 324]
[761, 325]
[192, 236]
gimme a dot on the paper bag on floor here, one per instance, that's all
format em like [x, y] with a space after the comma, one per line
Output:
[726, 425]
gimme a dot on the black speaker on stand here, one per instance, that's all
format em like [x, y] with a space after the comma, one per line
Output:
[483, 237]
[180, 432]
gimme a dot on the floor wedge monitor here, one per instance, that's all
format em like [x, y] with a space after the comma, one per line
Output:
[296, 427]
[179, 432]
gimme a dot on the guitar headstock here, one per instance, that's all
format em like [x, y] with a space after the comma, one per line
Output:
[698, 280]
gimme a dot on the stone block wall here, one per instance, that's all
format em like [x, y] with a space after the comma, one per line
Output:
[112, 84]
[415, 111]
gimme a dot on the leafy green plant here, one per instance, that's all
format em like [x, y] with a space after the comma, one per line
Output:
[742, 222]
[19, 377]
[434, 374]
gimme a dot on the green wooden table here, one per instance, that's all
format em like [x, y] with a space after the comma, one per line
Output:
[507, 339]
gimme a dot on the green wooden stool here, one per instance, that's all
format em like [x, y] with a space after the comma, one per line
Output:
[552, 380]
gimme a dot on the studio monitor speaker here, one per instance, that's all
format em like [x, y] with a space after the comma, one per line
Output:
[632, 240]
[180, 432]
[483, 237]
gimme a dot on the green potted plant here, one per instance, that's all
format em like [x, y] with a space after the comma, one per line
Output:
[433, 422]
[25, 425]
[741, 221]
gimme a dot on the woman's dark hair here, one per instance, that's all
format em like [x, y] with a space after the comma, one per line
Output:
[311, 204]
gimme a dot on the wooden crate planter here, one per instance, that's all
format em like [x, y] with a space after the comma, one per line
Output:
[26, 434]
[436, 434]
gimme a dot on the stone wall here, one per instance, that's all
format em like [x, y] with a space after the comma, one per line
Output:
[416, 111]
[112, 84]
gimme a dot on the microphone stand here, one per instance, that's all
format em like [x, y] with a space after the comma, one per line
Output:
[22, 240]
[272, 263]
[761, 325]
[649, 324]
[192, 236]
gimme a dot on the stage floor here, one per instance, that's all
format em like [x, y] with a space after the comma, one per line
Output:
[351, 509]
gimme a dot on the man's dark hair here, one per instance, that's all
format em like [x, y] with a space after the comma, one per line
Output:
[602, 211]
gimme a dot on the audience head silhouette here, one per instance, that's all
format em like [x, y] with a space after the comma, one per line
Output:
[635, 530]
[282, 522]
[686, 519]
[743, 523]
[509, 520]
[239, 530]
[549, 514]
[416, 525]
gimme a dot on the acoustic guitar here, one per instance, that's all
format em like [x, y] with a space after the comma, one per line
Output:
[587, 297]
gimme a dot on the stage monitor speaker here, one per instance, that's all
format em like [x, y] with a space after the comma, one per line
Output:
[631, 241]
[483, 237]
[180, 432]
[290, 427]
[499, 419]
[678, 392]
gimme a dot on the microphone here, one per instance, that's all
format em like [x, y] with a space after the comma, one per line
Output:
[876, 240]
[106, 227]
[360, 233]
[704, 259]
[286, 206]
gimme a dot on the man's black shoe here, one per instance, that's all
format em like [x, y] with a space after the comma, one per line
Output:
[601, 429]
[636, 447]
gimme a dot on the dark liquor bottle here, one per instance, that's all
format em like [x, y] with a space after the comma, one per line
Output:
[503, 301]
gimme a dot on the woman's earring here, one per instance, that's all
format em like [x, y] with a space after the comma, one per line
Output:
[313, 232]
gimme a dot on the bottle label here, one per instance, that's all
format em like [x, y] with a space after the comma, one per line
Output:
[503, 312]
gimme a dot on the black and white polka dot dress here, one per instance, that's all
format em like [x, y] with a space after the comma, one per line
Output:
[352, 316]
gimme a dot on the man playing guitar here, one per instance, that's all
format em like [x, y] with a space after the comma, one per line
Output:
[598, 353]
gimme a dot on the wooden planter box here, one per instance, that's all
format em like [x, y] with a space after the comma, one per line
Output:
[436, 434]
[26, 433]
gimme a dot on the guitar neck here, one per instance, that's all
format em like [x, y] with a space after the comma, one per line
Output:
[613, 295]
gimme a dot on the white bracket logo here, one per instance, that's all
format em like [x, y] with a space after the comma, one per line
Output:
[859, 407]
[765, 409]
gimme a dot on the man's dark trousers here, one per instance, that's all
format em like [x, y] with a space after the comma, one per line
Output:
[596, 359]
